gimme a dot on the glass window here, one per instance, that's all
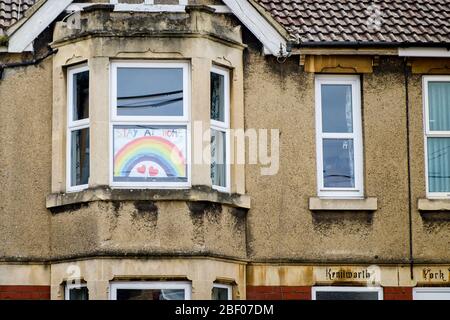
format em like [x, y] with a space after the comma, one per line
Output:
[431, 294]
[78, 153]
[80, 95]
[79, 157]
[150, 124]
[437, 133]
[339, 136]
[220, 125]
[217, 97]
[149, 153]
[222, 292]
[76, 292]
[347, 293]
[150, 290]
[149, 91]
[338, 163]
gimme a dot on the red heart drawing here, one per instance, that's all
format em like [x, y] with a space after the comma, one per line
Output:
[141, 169]
[153, 171]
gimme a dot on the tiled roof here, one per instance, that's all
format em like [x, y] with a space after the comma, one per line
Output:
[374, 21]
[13, 10]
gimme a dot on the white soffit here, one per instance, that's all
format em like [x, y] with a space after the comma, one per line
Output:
[424, 52]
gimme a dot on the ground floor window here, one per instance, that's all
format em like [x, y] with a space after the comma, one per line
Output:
[347, 293]
[150, 291]
[222, 292]
[431, 294]
[76, 292]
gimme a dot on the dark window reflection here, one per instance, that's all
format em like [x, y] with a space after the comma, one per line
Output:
[80, 157]
[217, 97]
[150, 294]
[79, 293]
[150, 92]
[81, 96]
[218, 158]
[337, 114]
[338, 163]
[334, 295]
[219, 293]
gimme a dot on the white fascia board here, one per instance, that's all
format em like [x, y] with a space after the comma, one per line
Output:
[21, 39]
[146, 7]
[272, 40]
[424, 52]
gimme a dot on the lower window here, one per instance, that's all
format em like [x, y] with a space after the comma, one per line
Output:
[431, 294]
[222, 292]
[347, 293]
[76, 292]
[150, 291]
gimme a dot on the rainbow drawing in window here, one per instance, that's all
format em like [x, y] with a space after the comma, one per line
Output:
[149, 153]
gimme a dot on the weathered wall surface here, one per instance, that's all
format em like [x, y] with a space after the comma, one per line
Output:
[25, 161]
[281, 226]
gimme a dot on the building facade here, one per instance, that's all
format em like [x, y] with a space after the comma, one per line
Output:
[231, 149]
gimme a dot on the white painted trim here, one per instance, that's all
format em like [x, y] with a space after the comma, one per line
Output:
[419, 292]
[354, 81]
[144, 285]
[74, 126]
[379, 290]
[431, 134]
[71, 286]
[225, 286]
[424, 52]
[21, 39]
[224, 127]
[258, 25]
[147, 7]
[184, 120]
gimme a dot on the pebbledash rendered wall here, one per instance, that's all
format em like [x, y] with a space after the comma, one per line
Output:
[263, 239]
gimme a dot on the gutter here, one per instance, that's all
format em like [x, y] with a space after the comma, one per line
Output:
[352, 44]
[32, 62]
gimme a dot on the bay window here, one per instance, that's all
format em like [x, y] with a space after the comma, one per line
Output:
[339, 136]
[78, 164]
[220, 125]
[150, 139]
[437, 135]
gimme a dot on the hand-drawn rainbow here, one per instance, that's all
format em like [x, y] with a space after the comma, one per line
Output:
[150, 148]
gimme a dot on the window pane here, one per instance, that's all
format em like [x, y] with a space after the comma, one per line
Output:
[150, 153]
[79, 157]
[439, 104]
[81, 96]
[439, 164]
[150, 294]
[219, 294]
[217, 97]
[218, 158]
[150, 92]
[79, 294]
[335, 295]
[338, 163]
[337, 108]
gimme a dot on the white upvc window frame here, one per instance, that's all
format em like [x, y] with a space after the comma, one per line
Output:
[70, 286]
[184, 120]
[74, 126]
[149, 285]
[358, 190]
[431, 134]
[379, 290]
[224, 126]
[229, 288]
[430, 290]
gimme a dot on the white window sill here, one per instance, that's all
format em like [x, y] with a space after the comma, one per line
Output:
[322, 204]
[434, 205]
